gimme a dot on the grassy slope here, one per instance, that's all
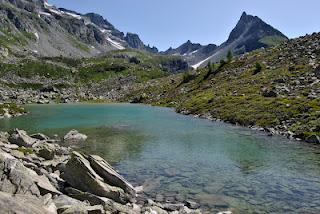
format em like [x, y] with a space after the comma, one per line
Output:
[117, 63]
[234, 93]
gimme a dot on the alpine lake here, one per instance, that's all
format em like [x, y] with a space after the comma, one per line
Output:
[176, 157]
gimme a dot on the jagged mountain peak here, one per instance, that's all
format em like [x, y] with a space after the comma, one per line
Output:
[250, 33]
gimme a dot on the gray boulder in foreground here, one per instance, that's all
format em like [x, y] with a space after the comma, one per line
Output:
[80, 175]
[74, 137]
[21, 138]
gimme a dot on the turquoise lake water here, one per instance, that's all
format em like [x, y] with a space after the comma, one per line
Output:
[177, 157]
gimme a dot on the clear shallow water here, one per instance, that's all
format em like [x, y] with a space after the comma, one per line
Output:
[178, 157]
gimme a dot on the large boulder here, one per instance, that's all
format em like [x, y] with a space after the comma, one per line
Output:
[80, 175]
[21, 138]
[24, 204]
[74, 137]
[109, 175]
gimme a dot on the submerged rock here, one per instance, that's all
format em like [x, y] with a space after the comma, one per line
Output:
[74, 137]
[313, 139]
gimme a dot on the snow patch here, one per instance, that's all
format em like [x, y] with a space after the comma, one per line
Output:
[46, 4]
[193, 52]
[44, 13]
[55, 11]
[76, 16]
[200, 63]
[36, 35]
[115, 44]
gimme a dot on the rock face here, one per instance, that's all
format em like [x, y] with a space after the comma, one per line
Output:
[21, 138]
[79, 174]
[134, 41]
[74, 137]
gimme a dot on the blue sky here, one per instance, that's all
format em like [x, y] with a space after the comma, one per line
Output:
[165, 23]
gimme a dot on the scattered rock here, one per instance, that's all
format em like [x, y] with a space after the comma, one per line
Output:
[191, 204]
[74, 137]
[268, 93]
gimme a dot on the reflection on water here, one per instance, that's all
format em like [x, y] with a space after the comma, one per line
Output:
[177, 157]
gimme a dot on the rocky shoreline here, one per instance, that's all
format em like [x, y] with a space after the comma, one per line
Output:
[38, 175]
[270, 131]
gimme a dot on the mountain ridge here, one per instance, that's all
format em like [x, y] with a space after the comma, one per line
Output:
[250, 33]
[45, 30]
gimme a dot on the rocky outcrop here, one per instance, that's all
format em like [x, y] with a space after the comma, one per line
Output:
[40, 182]
[135, 42]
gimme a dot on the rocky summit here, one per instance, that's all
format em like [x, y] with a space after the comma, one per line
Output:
[37, 175]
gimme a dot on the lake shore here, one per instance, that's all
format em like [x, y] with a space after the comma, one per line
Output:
[50, 178]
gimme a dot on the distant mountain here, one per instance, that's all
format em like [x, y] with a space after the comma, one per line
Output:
[192, 52]
[134, 41]
[250, 33]
[37, 27]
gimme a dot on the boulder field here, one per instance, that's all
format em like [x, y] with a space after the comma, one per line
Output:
[38, 176]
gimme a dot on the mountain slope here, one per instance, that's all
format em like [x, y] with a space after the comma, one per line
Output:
[275, 89]
[42, 29]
